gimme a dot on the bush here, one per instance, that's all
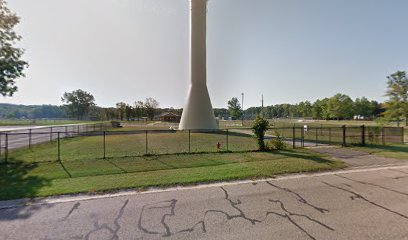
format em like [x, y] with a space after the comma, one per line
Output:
[259, 128]
[276, 144]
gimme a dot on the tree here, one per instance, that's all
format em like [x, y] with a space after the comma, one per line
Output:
[11, 65]
[150, 106]
[221, 112]
[96, 113]
[363, 107]
[317, 109]
[234, 108]
[340, 107]
[259, 128]
[139, 109]
[129, 112]
[78, 103]
[397, 91]
[110, 113]
[121, 106]
[304, 109]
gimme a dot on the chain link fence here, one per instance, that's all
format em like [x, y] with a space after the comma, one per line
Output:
[344, 136]
[35, 137]
[97, 141]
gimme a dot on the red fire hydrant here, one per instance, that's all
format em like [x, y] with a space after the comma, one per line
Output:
[218, 146]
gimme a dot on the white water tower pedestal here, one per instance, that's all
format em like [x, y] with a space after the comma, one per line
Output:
[198, 113]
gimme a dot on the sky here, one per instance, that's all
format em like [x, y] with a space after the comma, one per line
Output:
[287, 50]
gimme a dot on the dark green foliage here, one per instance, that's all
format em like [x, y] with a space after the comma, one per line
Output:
[397, 92]
[139, 109]
[259, 128]
[78, 103]
[221, 113]
[31, 112]
[234, 108]
[121, 110]
[11, 65]
[150, 107]
[365, 108]
[338, 107]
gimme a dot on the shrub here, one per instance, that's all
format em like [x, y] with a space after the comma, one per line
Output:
[259, 128]
[276, 144]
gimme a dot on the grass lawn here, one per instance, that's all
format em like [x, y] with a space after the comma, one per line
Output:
[84, 148]
[22, 179]
[391, 151]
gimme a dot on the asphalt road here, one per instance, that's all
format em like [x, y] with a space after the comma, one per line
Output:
[353, 204]
[19, 137]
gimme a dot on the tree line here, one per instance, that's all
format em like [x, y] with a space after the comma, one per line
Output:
[80, 104]
[337, 107]
[12, 111]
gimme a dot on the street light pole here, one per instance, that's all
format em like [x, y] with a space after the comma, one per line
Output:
[242, 102]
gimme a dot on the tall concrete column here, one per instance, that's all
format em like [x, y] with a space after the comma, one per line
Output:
[198, 113]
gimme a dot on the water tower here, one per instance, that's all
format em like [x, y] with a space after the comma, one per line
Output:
[198, 113]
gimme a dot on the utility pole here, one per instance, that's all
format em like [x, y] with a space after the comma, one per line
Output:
[242, 103]
[262, 108]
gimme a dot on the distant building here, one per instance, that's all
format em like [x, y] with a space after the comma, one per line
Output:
[169, 117]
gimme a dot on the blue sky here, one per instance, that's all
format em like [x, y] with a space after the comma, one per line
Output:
[287, 50]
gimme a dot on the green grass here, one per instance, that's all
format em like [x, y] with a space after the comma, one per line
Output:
[22, 179]
[36, 173]
[390, 151]
[85, 148]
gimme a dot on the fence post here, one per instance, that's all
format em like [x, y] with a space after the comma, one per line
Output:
[189, 141]
[6, 150]
[66, 131]
[402, 137]
[78, 129]
[294, 136]
[303, 137]
[29, 138]
[316, 136]
[147, 148]
[227, 140]
[383, 135]
[363, 137]
[0, 144]
[104, 144]
[59, 149]
[344, 136]
[50, 134]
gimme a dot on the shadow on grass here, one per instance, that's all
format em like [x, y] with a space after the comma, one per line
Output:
[231, 133]
[314, 158]
[15, 183]
[391, 148]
